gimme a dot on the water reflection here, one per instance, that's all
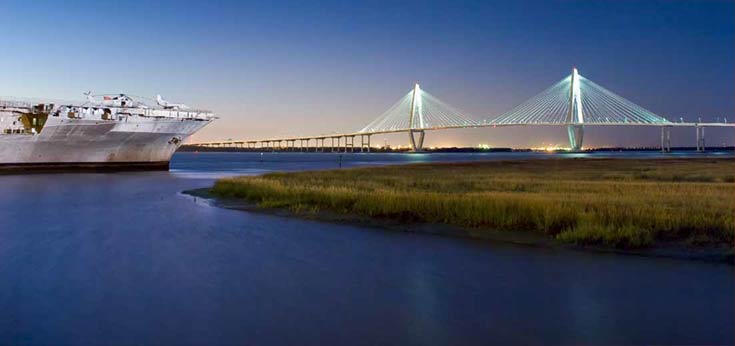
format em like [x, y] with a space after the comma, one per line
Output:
[126, 259]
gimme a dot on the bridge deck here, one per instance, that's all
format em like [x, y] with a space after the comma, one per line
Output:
[436, 128]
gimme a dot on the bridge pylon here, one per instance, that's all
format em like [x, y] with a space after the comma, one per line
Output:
[575, 116]
[416, 119]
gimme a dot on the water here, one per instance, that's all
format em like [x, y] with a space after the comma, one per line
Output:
[125, 259]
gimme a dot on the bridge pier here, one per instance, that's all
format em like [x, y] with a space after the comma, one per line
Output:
[362, 143]
[350, 143]
[417, 145]
[576, 136]
[665, 139]
[700, 138]
[336, 148]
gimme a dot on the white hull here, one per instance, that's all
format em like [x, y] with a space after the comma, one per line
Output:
[83, 142]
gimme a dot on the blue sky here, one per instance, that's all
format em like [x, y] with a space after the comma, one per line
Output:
[282, 68]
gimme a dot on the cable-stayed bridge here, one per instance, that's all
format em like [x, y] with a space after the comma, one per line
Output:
[574, 102]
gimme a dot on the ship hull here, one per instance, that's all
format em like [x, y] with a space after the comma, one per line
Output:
[88, 145]
[92, 167]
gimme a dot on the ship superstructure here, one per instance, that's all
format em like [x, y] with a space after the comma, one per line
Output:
[106, 131]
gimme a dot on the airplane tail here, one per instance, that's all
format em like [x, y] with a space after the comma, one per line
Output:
[90, 99]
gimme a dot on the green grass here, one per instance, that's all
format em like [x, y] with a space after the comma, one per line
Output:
[617, 203]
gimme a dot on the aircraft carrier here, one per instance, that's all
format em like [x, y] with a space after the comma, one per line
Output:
[107, 132]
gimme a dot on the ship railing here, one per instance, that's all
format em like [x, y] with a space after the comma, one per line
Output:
[145, 112]
[178, 114]
[15, 104]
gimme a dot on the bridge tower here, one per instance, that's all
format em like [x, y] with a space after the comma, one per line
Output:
[416, 120]
[575, 117]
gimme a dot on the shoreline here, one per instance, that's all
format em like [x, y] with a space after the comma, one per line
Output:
[672, 250]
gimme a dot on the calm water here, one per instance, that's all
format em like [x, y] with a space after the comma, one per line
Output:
[125, 259]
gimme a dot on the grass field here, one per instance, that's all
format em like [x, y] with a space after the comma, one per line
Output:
[620, 203]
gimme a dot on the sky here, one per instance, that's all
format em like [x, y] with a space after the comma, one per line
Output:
[276, 68]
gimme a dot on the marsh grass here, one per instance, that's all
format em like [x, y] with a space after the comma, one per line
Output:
[621, 203]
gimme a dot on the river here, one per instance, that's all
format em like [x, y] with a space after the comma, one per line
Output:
[126, 259]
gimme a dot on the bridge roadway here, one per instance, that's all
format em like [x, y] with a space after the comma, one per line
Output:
[345, 142]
